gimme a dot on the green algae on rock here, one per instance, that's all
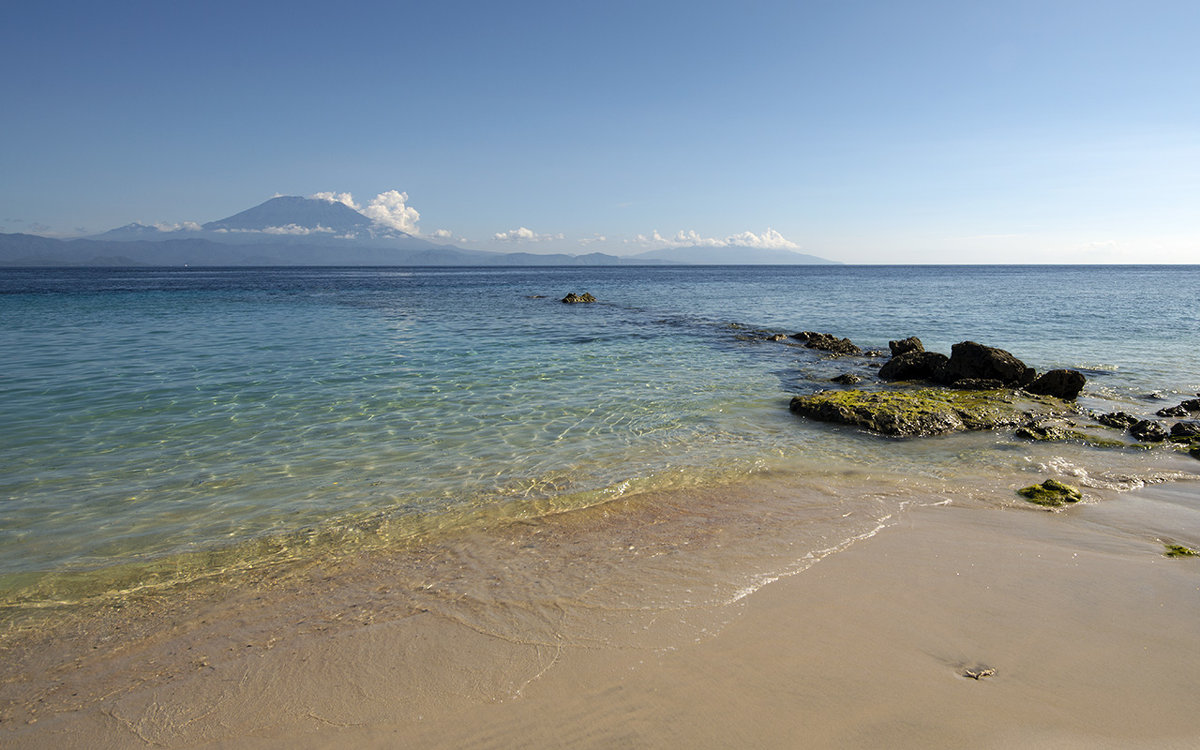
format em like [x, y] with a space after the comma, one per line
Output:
[926, 411]
[1051, 493]
[1178, 550]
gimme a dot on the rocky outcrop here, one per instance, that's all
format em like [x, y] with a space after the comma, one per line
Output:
[572, 298]
[827, 342]
[1118, 419]
[927, 411]
[1064, 384]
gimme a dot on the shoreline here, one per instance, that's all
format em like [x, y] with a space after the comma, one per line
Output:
[1090, 629]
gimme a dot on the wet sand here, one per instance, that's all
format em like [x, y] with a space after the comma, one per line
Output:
[1092, 634]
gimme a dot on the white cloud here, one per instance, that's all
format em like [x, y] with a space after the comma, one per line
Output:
[442, 234]
[296, 229]
[593, 239]
[390, 210]
[185, 226]
[343, 198]
[769, 239]
[523, 234]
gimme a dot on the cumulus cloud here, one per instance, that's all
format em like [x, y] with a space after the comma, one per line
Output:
[296, 229]
[389, 209]
[523, 234]
[442, 234]
[770, 239]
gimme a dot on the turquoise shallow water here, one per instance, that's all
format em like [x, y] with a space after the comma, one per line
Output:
[149, 413]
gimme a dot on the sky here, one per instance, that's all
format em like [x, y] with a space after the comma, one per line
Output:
[860, 131]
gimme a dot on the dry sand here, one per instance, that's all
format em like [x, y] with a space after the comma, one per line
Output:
[1094, 637]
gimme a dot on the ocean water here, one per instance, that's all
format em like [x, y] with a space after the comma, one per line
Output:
[162, 424]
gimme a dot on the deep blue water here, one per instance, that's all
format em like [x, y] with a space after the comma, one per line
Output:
[152, 412]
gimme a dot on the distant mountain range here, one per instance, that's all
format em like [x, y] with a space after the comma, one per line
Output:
[294, 231]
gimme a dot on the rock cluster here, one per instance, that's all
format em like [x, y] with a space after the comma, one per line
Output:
[827, 342]
[573, 298]
[975, 366]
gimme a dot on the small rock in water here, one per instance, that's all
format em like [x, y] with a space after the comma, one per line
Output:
[1064, 384]
[1149, 431]
[1051, 493]
[573, 298]
[1191, 406]
[847, 378]
[1117, 419]
[904, 346]
[1186, 429]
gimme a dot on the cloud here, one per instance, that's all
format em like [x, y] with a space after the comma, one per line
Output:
[296, 229]
[389, 209]
[770, 239]
[523, 234]
[184, 226]
[593, 239]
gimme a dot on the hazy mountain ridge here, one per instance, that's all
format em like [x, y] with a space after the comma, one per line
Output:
[291, 231]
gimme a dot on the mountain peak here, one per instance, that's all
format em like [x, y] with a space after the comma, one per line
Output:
[294, 211]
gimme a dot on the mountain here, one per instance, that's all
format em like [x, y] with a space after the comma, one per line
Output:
[731, 255]
[301, 213]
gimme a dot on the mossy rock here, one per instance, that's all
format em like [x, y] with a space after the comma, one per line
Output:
[1051, 493]
[1058, 434]
[1178, 550]
[926, 411]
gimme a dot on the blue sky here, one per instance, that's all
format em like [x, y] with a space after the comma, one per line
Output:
[865, 132]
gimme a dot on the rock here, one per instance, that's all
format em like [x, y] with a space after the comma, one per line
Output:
[1051, 493]
[572, 298]
[1149, 431]
[1055, 433]
[847, 378]
[971, 360]
[777, 337]
[927, 411]
[904, 346]
[1191, 406]
[1118, 419]
[914, 366]
[1064, 384]
[1179, 550]
[827, 342]
[1185, 429]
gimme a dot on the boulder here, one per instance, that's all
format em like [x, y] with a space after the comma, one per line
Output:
[827, 342]
[1064, 384]
[1185, 429]
[976, 361]
[1149, 431]
[572, 298]
[904, 346]
[914, 365]
[1051, 493]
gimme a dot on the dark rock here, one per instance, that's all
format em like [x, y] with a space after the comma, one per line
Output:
[1064, 384]
[777, 337]
[904, 346]
[827, 342]
[971, 360]
[573, 298]
[914, 366]
[1149, 431]
[928, 411]
[848, 378]
[1118, 419]
[1185, 429]
[1191, 406]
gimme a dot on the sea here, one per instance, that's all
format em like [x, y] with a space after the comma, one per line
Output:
[165, 428]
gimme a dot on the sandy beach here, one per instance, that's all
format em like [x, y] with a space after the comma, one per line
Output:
[1091, 632]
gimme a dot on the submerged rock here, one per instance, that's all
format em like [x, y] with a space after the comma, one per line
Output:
[1051, 493]
[827, 342]
[927, 411]
[847, 378]
[572, 298]
[1064, 384]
